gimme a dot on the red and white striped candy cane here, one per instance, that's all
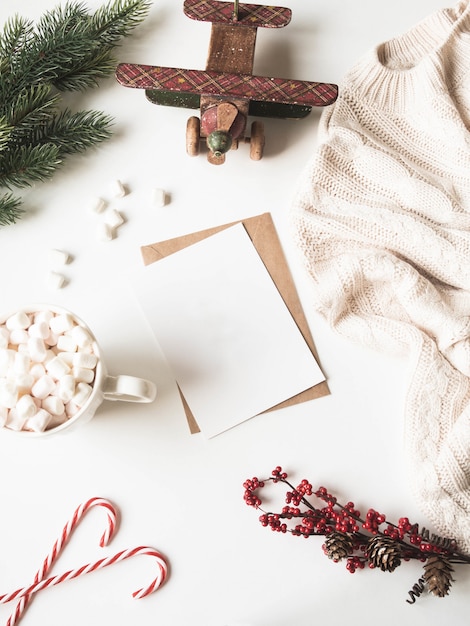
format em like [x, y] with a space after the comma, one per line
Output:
[92, 567]
[60, 543]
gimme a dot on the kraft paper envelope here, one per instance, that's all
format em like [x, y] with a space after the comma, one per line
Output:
[264, 237]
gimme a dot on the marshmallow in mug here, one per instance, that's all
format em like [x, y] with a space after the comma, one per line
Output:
[47, 369]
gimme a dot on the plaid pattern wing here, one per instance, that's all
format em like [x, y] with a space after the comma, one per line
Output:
[255, 15]
[261, 88]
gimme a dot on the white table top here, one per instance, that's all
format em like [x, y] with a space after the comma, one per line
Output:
[177, 492]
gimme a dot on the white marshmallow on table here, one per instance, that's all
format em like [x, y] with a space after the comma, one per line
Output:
[3, 415]
[158, 197]
[97, 204]
[56, 280]
[104, 232]
[57, 257]
[113, 218]
[117, 189]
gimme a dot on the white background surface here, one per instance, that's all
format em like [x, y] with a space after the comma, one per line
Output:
[179, 492]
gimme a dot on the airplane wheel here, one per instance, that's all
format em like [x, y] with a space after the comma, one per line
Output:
[193, 133]
[257, 141]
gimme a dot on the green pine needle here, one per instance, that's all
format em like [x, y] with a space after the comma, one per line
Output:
[76, 132]
[5, 133]
[29, 112]
[67, 41]
[10, 209]
[23, 166]
[15, 36]
[112, 22]
[68, 49]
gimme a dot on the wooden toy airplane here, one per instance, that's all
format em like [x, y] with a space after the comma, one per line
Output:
[226, 92]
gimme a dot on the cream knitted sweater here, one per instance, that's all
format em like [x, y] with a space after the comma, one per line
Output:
[382, 217]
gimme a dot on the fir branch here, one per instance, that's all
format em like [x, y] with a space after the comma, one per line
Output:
[69, 42]
[68, 49]
[25, 165]
[76, 132]
[61, 20]
[105, 29]
[88, 73]
[32, 107]
[54, 51]
[113, 22]
[27, 117]
[64, 44]
[10, 209]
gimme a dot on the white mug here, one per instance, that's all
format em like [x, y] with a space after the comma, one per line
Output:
[104, 386]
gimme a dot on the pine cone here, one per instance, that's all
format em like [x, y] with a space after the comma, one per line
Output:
[438, 575]
[338, 545]
[384, 552]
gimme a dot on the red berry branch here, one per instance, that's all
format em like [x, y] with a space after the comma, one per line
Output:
[371, 540]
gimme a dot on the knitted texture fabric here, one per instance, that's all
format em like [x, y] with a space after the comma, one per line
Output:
[381, 214]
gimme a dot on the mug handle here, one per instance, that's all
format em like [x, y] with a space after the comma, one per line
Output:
[129, 389]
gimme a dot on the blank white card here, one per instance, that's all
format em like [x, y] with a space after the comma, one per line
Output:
[232, 344]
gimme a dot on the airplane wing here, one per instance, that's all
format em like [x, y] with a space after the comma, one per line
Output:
[254, 15]
[185, 100]
[204, 82]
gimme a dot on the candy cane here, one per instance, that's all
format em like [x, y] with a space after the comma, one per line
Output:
[92, 567]
[60, 543]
